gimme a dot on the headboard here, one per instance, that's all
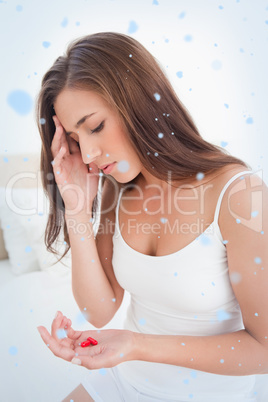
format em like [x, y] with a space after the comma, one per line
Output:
[14, 171]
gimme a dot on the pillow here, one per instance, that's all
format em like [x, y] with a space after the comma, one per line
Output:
[23, 216]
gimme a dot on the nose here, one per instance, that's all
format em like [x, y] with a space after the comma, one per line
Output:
[89, 156]
[89, 151]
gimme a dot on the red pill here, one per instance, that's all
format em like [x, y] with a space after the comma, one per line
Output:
[86, 343]
[92, 340]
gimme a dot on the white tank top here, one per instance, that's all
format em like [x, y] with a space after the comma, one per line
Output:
[184, 293]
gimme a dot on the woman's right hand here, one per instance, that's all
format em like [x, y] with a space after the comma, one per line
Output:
[114, 346]
[77, 182]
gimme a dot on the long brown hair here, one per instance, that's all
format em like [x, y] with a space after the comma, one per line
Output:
[160, 129]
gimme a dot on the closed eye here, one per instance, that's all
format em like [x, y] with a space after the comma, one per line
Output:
[98, 129]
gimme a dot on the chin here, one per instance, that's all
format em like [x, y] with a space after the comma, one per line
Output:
[127, 177]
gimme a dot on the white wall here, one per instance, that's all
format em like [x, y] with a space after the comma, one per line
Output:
[229, 34]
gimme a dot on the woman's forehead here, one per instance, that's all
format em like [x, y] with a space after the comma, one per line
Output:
[77, 97]
[73, 105]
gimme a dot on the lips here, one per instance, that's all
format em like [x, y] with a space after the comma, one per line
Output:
[104, 166]
[107, 168]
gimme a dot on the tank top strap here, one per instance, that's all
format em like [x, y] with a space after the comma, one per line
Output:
[218, 206]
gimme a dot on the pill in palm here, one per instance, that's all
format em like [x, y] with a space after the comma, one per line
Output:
[86, 343]
[92, 340]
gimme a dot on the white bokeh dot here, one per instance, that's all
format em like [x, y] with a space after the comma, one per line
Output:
[123, 166]
[200, 176]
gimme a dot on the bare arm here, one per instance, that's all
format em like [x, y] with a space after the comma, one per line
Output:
[94, 285]
[233, 354]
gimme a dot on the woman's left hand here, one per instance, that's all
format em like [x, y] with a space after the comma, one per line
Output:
[114, 346]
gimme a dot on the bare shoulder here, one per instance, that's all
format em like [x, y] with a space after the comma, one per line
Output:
[242, 201]
[227, 172]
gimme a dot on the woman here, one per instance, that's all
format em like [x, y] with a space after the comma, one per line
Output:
[183, 228]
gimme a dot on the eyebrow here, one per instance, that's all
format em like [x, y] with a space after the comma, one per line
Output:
[81, 121]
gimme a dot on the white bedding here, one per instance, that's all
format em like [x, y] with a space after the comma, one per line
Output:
[33, 373]
[29, 372]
